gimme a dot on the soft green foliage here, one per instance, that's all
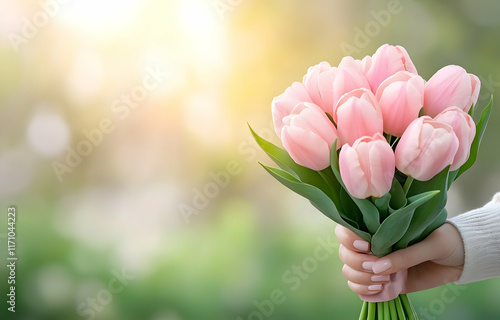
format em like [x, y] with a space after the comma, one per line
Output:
[407, 214]
[480, 128]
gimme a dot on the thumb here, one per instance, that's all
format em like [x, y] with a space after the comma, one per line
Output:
[406, 258]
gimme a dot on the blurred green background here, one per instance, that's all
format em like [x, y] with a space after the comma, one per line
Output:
[125, 149]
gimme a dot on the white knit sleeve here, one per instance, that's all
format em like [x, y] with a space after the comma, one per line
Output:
[480, 231]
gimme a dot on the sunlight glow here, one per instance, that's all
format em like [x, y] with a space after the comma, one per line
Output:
[100, 16]
[202, 29]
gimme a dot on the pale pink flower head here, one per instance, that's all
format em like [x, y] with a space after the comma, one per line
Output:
[362, 66]
[367, 167]
[318, 82]
[326, 84]
[426, 148]
[357, 114]
[465, 129]
[308, 136]
[401, 96]
[450, 86]
[283, 104]
[386, 61]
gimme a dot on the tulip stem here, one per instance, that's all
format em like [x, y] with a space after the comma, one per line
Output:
[407, 185]
[364, 311]
[395, 141]
[412, 315]
[389, 138]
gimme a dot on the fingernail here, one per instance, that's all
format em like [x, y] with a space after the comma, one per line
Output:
[361, 245]
[368, 265]
[379, 278]
[375, 287]
[381, 266]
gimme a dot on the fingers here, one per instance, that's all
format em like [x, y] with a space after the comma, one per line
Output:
[403, 259]
[365, 290]
[354, 253]
[350, 240]
[442, 245]
[356, 260]
[436, 260]
[363, 278]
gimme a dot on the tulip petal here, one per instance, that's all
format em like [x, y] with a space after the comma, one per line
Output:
[351, 172]
[426, 148]
[306, 148]
[367, 168]
[283, 104]
[449, 86]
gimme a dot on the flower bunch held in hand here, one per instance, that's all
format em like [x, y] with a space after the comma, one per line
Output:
[375, 147]
[383, 94]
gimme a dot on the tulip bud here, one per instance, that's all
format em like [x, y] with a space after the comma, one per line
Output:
[283, 104]
[308, 136]
[326, 84]
[400, 97]
[386, 61]
[361, 65]
[451, 86]
[465, 129]
[318, 83]
[426, 148]
[367, 168]
[357, 114]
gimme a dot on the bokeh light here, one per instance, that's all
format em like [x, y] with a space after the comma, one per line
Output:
[126, 151]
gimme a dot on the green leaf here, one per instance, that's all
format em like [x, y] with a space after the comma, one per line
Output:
[395, 226]
[370, 213]
[348, 206]
[471, 110]
[285, 162]
[317, 198]
[480, 128]
[451, 177]
[439, 221]
[333, 184]
[398, 197]
[425, 214]
[382, 205]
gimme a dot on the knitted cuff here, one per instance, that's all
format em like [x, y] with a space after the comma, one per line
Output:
[480, 231]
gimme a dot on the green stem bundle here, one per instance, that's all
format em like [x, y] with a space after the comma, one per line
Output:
[397, 309]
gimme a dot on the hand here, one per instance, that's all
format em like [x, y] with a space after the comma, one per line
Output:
[435, 261]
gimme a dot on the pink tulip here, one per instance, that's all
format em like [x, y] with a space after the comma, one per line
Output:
[318, 82]
[283, 104]
[465, 129]
[361, 65]
[308, 136]
[426, 148]
[386, 61]
[450, 86]
[400, 97]
[367, 168]
[326, 84]
[357, 114]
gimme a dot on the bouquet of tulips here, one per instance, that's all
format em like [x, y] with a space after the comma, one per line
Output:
[375, 148]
